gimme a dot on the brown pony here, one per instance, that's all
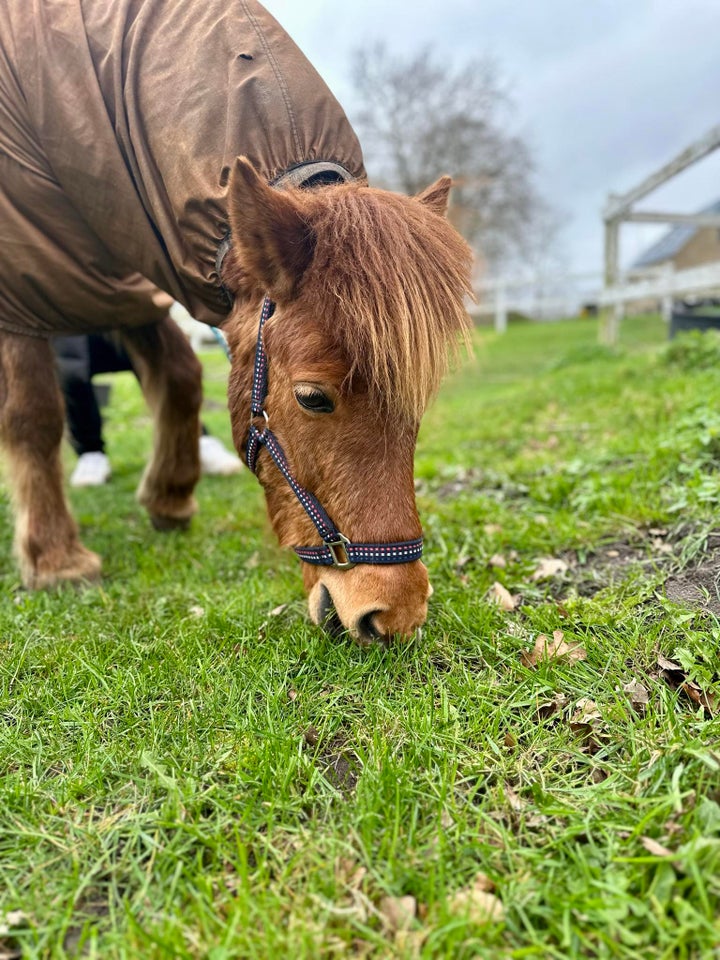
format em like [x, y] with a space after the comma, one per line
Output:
[368, 286]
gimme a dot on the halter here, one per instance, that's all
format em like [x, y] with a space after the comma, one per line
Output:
[337, 550]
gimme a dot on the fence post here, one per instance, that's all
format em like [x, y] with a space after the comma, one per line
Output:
[610, 317]
[666, 302]
[500, 307]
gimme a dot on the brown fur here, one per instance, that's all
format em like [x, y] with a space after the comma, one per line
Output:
[370, 302]
[171, 379]
[31, 427]
[386, 277]
[370, 291]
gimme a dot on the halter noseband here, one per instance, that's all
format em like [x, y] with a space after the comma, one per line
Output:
[337, 550]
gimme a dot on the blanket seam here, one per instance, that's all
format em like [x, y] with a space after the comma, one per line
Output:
[279, 76]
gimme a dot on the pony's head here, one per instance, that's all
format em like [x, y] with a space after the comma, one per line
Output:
[369, 291]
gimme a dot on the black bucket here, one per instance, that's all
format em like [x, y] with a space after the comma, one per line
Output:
[682, 321]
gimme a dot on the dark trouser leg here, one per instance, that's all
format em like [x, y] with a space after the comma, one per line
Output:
[79, 359]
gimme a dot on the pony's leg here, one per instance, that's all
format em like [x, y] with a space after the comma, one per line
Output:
[171, 378]
[31, 429]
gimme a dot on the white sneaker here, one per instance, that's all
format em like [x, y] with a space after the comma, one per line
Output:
[216, 459]
[92, 470]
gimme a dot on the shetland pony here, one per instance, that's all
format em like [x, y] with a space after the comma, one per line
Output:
[122, 174]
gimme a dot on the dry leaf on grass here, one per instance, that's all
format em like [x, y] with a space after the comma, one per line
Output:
[670, 665]
[9, 921]
[497, 560]
[655, 848]
[637, 694]
[585, 715]
[503, 598]
[708, 701]
[476, 904]
[13, 918]
[398, 913]
[548, 708]
[555, 649]
[675, 676]
[549, 567]
[587, 722]
[514, 802]
[276, 611]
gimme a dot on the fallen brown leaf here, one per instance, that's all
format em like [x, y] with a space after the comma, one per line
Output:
[477, 904]
[492, 528]
[676, 678]
[502, 597]
[398, 913]
[514, 802]
[708, 701]
[666, 664]
[587, 723]
[637, 694]
[497, 560]
[555, 649]
[586, 713]
[655, 848]
[549, 567]
[276, 611]
[548, 708]
[311, 735]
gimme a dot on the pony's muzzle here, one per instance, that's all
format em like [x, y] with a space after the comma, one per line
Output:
[373, 603]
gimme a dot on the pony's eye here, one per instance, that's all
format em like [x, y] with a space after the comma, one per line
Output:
[314, 400]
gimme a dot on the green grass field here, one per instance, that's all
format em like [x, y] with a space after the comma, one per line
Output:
[190, 769]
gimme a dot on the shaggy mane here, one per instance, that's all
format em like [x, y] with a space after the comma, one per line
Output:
[388, 280]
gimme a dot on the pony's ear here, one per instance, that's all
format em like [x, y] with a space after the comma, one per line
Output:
[436, 196]
[272, 242]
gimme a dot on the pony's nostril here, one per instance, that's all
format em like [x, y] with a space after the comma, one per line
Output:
[326, 614]
[367, 627]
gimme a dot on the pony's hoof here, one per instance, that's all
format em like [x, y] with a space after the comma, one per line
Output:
[165, 524]
[80, 567]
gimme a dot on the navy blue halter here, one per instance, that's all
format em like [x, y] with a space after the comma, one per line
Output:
[336, 549]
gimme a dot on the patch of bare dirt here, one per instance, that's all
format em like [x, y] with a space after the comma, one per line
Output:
[591, 572]
[339, 764]
[478, 482]
[698, 586]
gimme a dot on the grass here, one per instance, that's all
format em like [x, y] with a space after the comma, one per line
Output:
[190, 769]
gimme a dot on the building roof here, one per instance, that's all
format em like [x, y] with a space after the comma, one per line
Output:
[671, 242]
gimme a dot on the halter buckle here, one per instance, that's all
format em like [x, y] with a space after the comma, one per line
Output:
[338, 552]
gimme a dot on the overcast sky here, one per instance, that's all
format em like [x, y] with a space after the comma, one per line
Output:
[605, 90]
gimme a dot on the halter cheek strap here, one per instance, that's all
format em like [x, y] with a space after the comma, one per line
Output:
[336, 550]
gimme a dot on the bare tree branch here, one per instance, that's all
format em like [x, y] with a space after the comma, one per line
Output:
[418, 118]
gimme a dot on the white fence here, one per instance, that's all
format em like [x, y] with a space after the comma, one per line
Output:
[539, 296]
[557, 296]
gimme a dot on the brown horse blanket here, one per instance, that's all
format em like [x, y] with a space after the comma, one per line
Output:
[119, 123]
